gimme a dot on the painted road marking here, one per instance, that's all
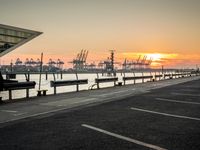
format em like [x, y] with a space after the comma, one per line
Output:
[187, 90]
[14, 113]
[185, 94]
[79, 102]
[9, 111]
[165, 114]
[20, 114]
[123, 137]
[176, 101]
[86, 100]
[129, 90]
[114, 93]
[67, 102]
[33, 115]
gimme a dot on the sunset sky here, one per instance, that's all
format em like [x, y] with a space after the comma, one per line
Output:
[167, 30]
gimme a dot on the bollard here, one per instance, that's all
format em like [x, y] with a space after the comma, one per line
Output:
[119, 83]
[39, 93]
[44, 92]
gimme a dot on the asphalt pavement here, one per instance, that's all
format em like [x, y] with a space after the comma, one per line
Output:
[163, 118]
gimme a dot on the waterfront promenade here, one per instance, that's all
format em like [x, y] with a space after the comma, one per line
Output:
[152, 115]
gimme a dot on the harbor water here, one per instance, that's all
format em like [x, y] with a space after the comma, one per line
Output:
[45, 84]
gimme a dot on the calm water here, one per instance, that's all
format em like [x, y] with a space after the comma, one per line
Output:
[45, 84]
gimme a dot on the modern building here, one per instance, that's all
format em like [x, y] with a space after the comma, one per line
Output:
[13, 37]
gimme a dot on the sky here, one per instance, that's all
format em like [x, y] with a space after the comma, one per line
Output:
[167, 30]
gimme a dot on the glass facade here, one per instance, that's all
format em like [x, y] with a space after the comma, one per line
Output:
[12, 37]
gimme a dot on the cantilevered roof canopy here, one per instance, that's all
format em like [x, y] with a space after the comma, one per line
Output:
[13, 37]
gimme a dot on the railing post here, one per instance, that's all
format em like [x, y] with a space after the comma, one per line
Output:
[97, 84]
[142, 77]
[28, 75]
[46, 75]
[54, 90]
[97, 80]
[54, 86]
[61, 74]
[57, 75]
[10, 94]
[27, 93]
[162, 69]
[159, 75]
[155, 76]
[151, 79]
[134, 78]
[54, 77]
[77, 85]
[171, 76]
[124, 78]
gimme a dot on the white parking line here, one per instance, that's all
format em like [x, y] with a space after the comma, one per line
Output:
[86, 100]
[20, 114]
[123, 137]
[113, 93]
[176, 101]
[9, 111]
[33, 115]
[64, 102]
[184, 94]
[165, 114]
[187, 90]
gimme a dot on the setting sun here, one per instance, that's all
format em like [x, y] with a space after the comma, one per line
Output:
[155, 56]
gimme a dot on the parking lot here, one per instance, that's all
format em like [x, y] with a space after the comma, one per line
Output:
[165, 118]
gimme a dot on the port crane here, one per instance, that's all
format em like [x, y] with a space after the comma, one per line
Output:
[79, 63]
